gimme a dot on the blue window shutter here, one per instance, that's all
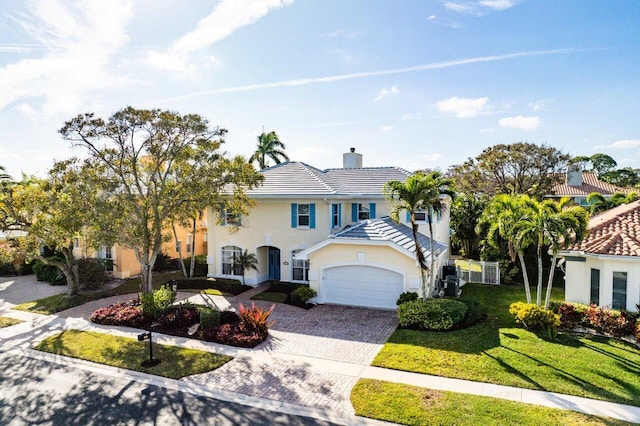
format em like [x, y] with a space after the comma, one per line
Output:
[408, 216]
[312, 215]
[294, 215]
[372, 210]
[339, 215]
[354, 212]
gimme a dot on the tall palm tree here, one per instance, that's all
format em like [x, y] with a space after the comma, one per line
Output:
[503, 215]
[269, 145]
[420, 191]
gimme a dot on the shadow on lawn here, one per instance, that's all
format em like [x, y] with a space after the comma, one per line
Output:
[34, 392]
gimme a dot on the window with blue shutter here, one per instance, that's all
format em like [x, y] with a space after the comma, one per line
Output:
[312, 216]
[354, 212]
[294, 215]
[372, 210]
[335, 216]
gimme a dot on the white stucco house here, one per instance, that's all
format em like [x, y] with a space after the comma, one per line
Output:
[604, 269]
[329, 229]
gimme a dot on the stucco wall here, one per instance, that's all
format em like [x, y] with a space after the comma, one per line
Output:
[578, 279]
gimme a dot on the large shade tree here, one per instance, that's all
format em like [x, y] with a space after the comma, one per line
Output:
[421, 192]
[269, 146]
[154, 166]
[518, 168]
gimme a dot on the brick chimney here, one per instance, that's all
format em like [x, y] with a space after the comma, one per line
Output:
[351, 160]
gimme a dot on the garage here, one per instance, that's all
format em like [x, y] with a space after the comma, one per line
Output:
[362, 285]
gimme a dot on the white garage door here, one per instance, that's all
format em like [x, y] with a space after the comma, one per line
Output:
[362, 286]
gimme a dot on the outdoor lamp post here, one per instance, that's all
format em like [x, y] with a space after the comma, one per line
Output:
[149, 362]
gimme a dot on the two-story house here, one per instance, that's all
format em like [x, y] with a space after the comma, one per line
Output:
[329, 229]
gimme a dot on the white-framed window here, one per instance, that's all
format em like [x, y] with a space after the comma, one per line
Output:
[619, 290]
[299, 268]
[364, 212]
[189, 242]
[335, 215]
[229, 256]
[420, 215]
[304, 215]
[229, 218]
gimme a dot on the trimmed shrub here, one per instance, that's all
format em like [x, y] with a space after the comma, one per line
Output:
[407, 296]
[234, 334]
[91, 273]
[255, 318]
[48, 273]
[157, 303]
[209, 317]
[431, 314]
[534, 318]
[303, 294]
[476, 313]
[572, 315]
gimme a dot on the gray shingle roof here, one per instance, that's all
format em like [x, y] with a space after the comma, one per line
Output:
[294, 178]
[385, 229]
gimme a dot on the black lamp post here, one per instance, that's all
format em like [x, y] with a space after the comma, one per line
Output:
[149, 362]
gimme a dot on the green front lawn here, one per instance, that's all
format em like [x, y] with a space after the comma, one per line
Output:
[128, 353]
[8, 322]
[496, 351]
[410, 405]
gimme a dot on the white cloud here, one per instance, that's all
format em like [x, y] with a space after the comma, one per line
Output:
[486, 130]
[431, 18]
[460, 7]
[480, 7]
[385, 128]
[520, 122]
[497, 4]
[227, 17]
[625, 144]
[420, 162]
[465, 107]
[385, 93]
[80, 40]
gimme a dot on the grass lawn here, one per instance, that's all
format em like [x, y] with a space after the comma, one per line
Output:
[60, 302]
[8, 322]
[496, 351]
[128, 353]
[271, 296]
[281, 292]
[412, 405]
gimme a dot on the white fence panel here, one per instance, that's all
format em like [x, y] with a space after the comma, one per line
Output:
[476, 271]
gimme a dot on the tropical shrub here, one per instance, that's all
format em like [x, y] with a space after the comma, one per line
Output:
[303, 294]
[535, 318]
[209, 317]
[125, 314]
[407, 296]
[156, 303]
[609, 321]
[49, 273]
[255, 318]
[234, 334]
[228, 317]
[572, 315]
[431, 314]
[179, 316]
[91, 273]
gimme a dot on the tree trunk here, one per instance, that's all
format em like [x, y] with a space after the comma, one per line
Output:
[146, 278]
[432, 276]
[419, 257]
[539, 288]
[525, 276]
[179, 247]
[193, 248]
[72, 279]
[550, 282]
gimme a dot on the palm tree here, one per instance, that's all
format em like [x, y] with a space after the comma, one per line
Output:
[502, 216]
[571, 227]
[420, 191]
[465, 213]
[246, 261]
[269, 145]
[600, 204]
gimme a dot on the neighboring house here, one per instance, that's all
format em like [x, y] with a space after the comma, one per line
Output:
[122, 262]
[578, 185]
[328, 228]
[604, 269]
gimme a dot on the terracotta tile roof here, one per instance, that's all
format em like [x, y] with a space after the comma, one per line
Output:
[590, 183]
[614, 232]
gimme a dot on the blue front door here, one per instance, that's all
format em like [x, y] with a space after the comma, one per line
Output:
[274, 263]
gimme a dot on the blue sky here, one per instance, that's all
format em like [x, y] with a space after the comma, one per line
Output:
[415, 84]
